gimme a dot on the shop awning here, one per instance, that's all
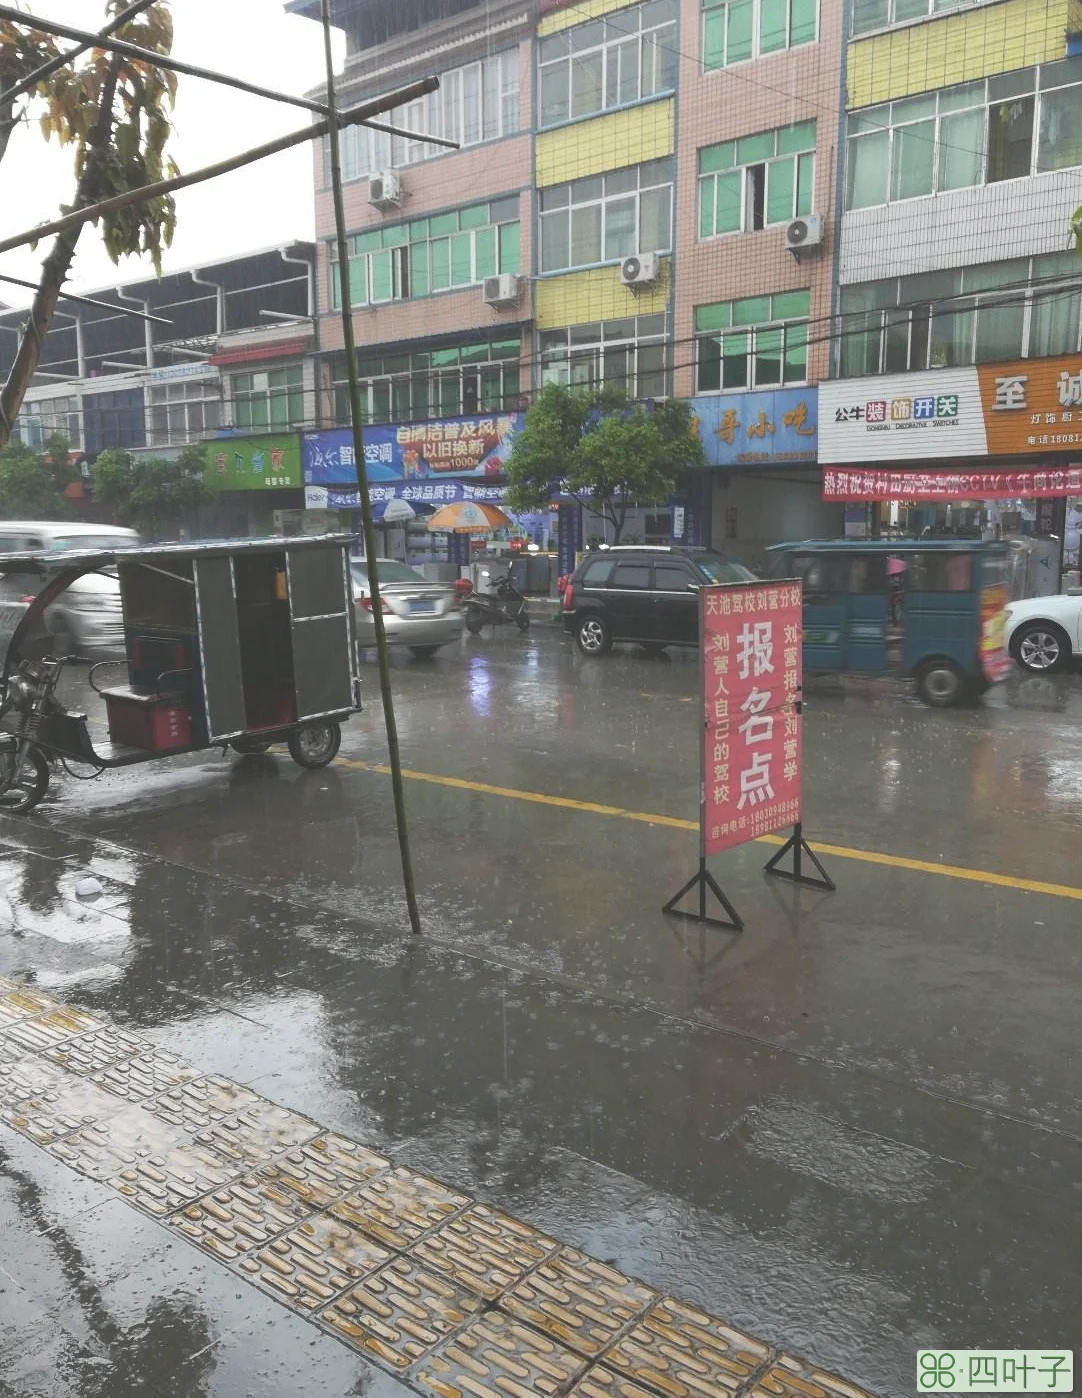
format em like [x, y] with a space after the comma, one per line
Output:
[254, 354]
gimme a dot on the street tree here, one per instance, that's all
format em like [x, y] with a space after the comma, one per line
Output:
[155, 495]
[32, 484]
[606, 451]
[114, 113]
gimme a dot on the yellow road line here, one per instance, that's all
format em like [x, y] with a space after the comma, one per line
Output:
[864, 856]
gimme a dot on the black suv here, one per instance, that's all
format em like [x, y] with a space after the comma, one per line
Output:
[637, 593]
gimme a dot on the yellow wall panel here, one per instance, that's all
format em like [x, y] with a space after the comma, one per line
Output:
[605, 143]
[581, 297]
[958, 48]
[579, 13]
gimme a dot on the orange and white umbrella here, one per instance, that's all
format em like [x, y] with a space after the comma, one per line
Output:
[468, 517]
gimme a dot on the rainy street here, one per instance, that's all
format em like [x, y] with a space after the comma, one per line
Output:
[851, 1131]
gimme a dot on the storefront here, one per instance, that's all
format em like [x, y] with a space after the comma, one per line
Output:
[257, 481]
[987, 451]
[763, 478]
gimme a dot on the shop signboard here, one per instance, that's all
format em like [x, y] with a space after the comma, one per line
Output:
[569, 537]
[752, 662]
[254, 463]
[1015, 408]
[1018, 483]
[407, 451]
[764, 428]
[995, 660]
[435, 493]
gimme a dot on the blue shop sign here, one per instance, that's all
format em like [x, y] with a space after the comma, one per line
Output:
[434, 493]
[766, 428]
[405, 451]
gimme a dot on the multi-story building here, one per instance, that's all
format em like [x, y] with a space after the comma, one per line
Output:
[960, 332]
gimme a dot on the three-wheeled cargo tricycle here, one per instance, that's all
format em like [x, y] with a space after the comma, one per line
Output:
[232, 643]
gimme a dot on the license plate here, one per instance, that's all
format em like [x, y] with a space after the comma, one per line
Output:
[421, 604]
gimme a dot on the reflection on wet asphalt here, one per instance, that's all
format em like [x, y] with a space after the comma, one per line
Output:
[854, 1130]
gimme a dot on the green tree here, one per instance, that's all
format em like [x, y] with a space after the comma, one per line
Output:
[152, 494]
[32, 485]
[606, 451]
[1076, 228]
[113, 112]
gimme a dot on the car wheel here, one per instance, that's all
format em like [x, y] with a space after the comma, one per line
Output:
[940, 684]
[424, 652]
[592, 634]
[1041, 647]
[315, 744]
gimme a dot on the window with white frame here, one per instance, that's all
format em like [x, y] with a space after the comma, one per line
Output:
[878, 14]
[1002, 128]
[184, 411]
[438, 253]
[268, 399]
[756, 342]
[448, 381]
[756, 181]
[605, 63]
[477, 102]
[607, 217]
[632, 354]
[48, 417]
[735, 31]
[1023, 308]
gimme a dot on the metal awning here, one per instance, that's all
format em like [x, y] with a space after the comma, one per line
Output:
[87, 560]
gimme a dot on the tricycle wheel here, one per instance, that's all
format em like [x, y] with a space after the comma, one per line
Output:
[315, 744]
[24, 793]
[250, 747]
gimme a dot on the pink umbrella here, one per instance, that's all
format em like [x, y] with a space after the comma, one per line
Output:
[896, 565]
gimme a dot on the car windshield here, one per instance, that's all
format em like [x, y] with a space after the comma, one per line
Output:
[389, 572]
[716, 569]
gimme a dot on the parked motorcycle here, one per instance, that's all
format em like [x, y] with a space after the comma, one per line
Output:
[503, 605]
[29, 696]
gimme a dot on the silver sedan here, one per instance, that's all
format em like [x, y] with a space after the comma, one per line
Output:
[416, 613]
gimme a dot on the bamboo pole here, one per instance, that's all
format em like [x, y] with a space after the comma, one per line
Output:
[46, 70]
[370, 547]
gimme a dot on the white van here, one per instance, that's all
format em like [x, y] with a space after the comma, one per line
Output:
[86, 620]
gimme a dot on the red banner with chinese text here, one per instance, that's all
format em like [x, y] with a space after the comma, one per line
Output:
[1029, 483]
[752, 667]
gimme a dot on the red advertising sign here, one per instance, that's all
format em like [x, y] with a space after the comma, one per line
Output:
[752, 668]
[1025, 483]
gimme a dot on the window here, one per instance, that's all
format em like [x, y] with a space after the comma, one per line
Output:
[607, 217]
[1004, 128]
[631, 575]
[671, 577]
[737, 30]
[273, 398]
[1002, 310]
[633, 354]
[878, 14]
[748, 184]
[426, 255]
[184, 411]
[752, 343]
[597, 573]
[607, 62]
[478, 102]
[452, 381]
[46, 417]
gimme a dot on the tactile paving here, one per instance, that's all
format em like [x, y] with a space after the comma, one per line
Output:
[257, 1132]
[681, 1352]
[112, 1144]
[401, 1313]
[161, 1184]
[579, 1301]
[600, 1382]
[20, 1003]
[200, 1101]
[310, 1265]
[50, 1028]
[484, 1250]
[323, 1169]
[793, 1378]
[399, 1207]
[147, 1075]
[92, 1052]
[238, 1217]
[58, 1109]
[493, 1357]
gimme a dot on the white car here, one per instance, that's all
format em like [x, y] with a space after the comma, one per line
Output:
[416, 613]
[1045, 633]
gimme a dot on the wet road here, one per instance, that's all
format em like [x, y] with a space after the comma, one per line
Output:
[854, 1130]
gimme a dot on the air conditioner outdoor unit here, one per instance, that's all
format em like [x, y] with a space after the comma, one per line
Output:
[501, 290]
[385, 191]
[801, 233]
[641, 270]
